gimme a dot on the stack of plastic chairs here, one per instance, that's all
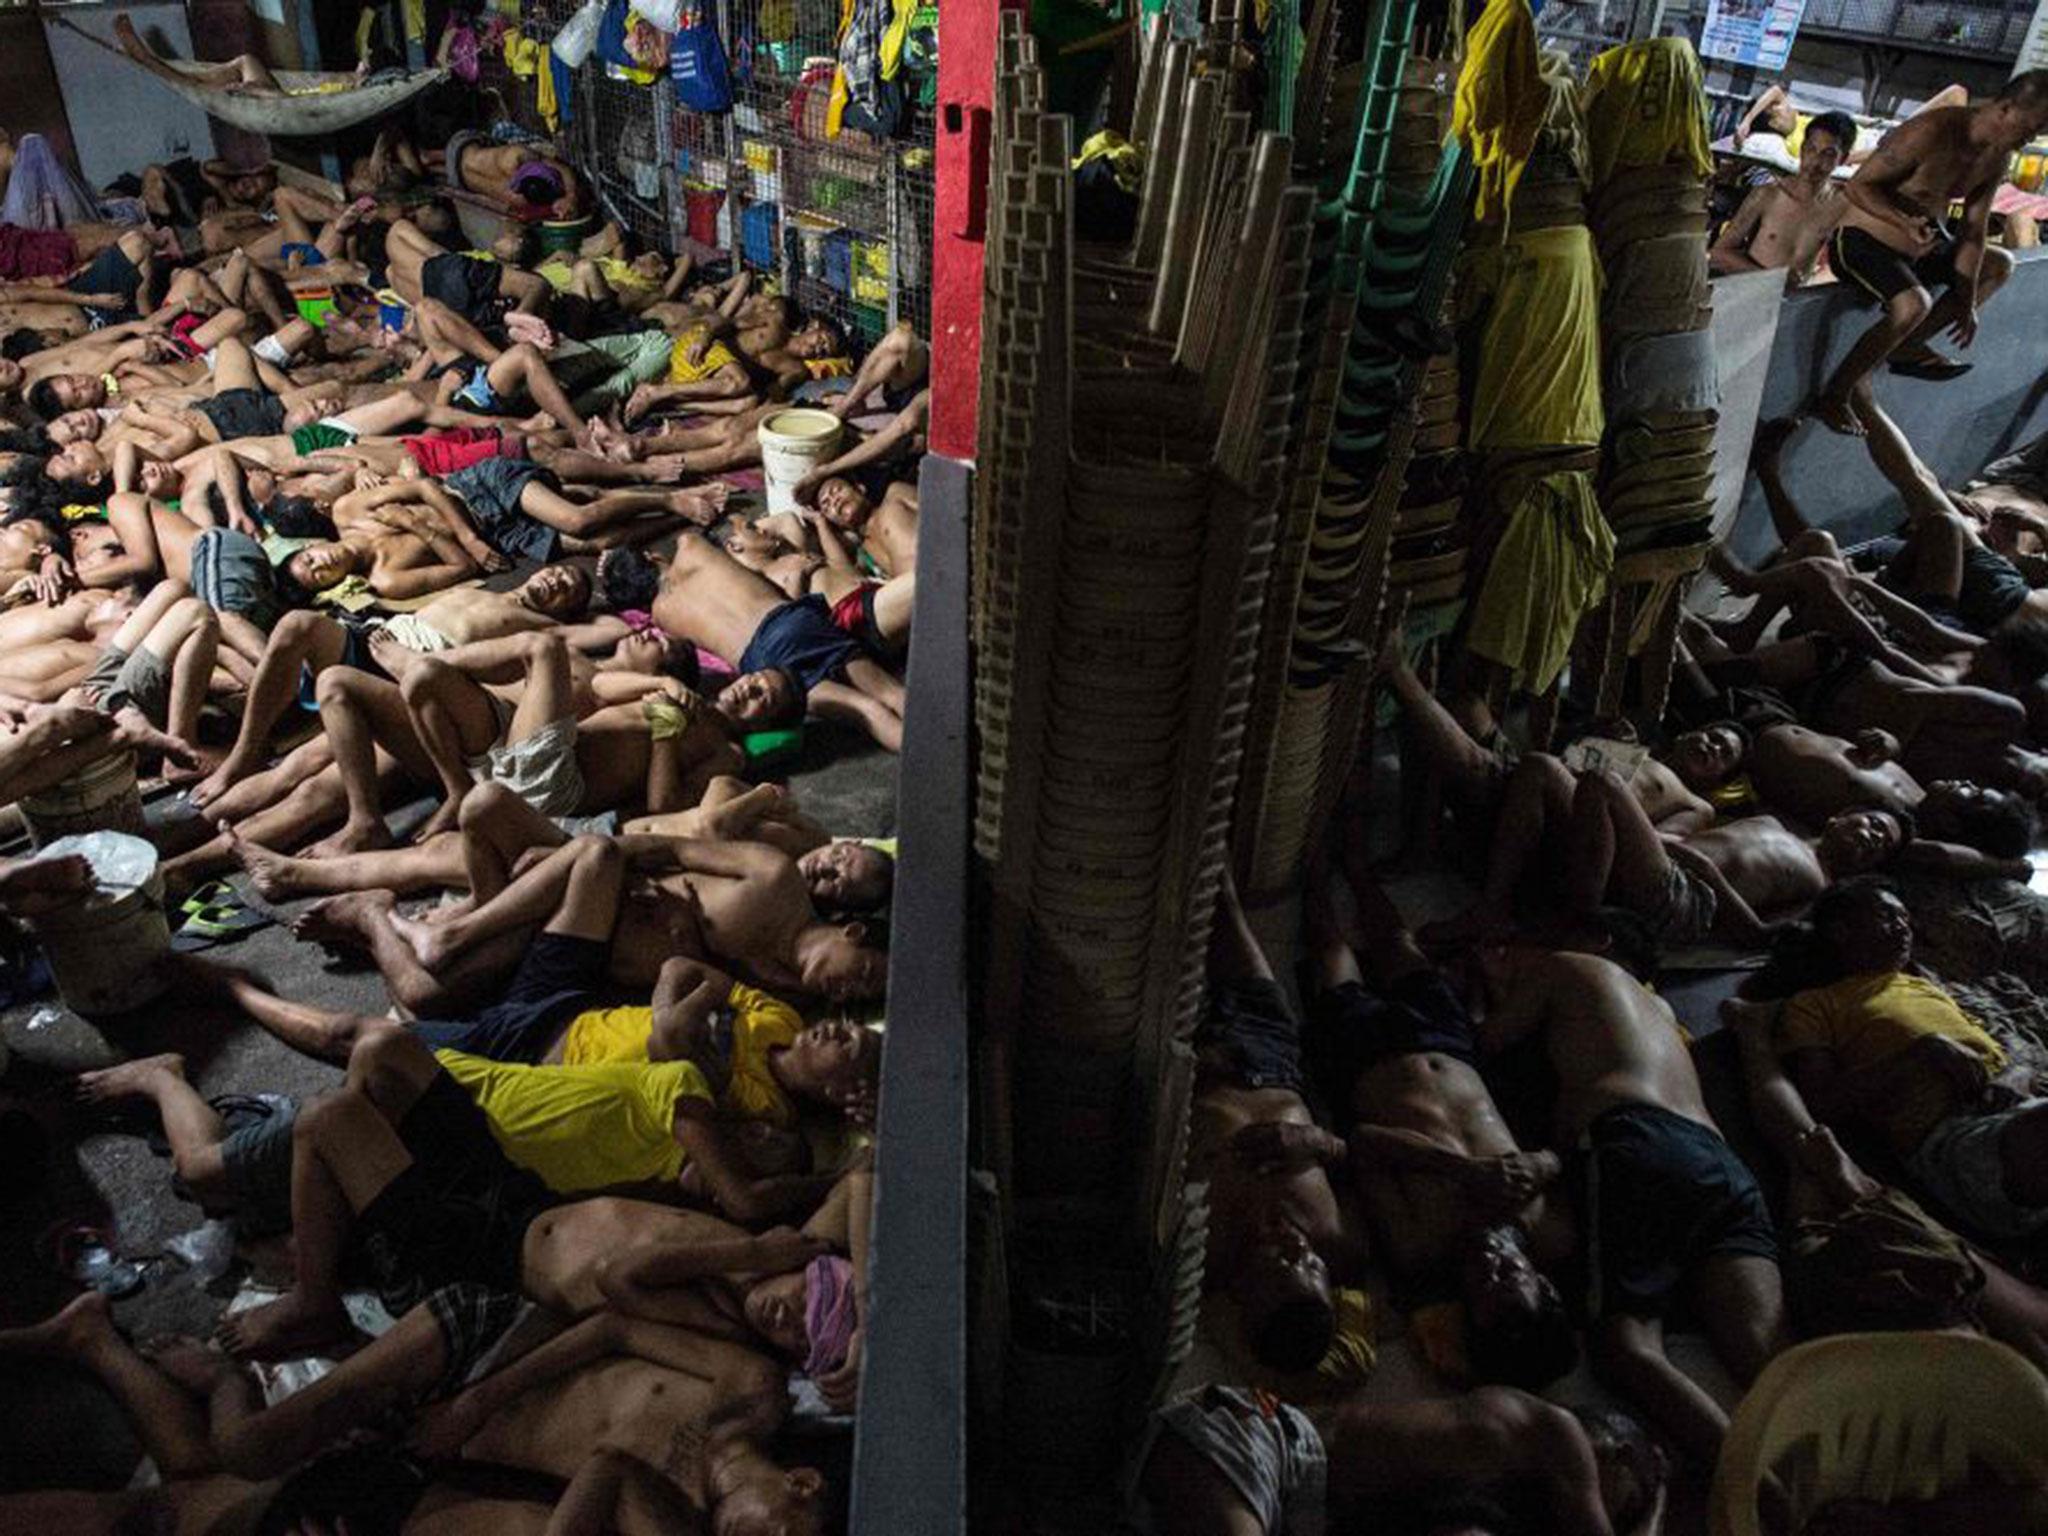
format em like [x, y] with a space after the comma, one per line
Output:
[1137, 410]
[1377, 331]
[1662, 388]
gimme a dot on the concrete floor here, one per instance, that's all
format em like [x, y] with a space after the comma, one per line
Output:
[58, 1429]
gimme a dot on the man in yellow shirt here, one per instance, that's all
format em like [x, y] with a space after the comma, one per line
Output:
[753, 1051]
[1890, 1050]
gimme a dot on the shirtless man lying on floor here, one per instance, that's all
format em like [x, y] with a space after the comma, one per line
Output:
[744, 907]
[662, 1429]
[303, 644]
[1280, 1239]
[572, 737]
[1456, 1206]
[874, 611]
[1961, 828]
[710, 599]
[1666, 1209]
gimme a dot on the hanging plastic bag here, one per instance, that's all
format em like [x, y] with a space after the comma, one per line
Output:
[696, 61]
[574, 43]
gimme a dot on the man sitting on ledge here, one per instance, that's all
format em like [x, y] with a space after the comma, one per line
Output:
[1893, 243]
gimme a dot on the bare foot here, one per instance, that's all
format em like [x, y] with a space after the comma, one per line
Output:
[353, 837]
[129, 1080]
[701, 504]
[230, 771]
[430, 941]
[447, 817]
[284, 1329]
[273, 874]
[343, 920]
[663, 466]
[1838, 415]
[133, 730]
[86, 1320]
[200, 764]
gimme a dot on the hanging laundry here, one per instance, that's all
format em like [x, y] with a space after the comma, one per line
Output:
[1549, 569]
[1645, 104]
[531, 60]
[465, 54]
[1538, 383]
[860, 52]
[894, 35]
[1501, 102]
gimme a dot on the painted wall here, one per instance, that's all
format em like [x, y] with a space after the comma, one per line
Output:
[1957, 427]
[121, 119]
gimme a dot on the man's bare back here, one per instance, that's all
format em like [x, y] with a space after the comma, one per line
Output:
[1610, 1041]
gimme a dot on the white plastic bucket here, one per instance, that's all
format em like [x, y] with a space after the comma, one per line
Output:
[100, 797]
[793, 443]
[106, 949]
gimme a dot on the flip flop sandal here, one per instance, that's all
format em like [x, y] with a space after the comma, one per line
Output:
[86, 1253]
[214, 914]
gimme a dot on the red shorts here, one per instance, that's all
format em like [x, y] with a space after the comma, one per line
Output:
[181, 334]
[442, 453]
[855, 613]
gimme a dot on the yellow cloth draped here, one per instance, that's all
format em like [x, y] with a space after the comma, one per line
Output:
[1539, 356]
[1550, 567]
[528, 59]
[1500, 103]
[1645, 104]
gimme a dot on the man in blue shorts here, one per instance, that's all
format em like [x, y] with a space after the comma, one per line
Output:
[707, 597]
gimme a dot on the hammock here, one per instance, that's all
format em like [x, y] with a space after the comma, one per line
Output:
[315, 103]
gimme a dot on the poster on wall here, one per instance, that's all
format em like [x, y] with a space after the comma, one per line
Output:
[1758, 33]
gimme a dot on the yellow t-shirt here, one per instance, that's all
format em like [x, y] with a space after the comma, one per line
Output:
[680, 368]
[761, 1024]
[618, 274]
[1869, 1019]
[583, 1127]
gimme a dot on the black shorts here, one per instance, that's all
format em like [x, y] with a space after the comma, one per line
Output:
[1351, 1030]
[1875, 272]
[464, 284]
[1658, 1195]
[1250, 1038]
[239, 413]
[458, 1214]
[554, 982]
[111, 272]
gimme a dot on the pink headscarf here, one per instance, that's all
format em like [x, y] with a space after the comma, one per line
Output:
[828, 1314]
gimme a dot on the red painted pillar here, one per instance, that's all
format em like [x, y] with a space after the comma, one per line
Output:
[967, 66]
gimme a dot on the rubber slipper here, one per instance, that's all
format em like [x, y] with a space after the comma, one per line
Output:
[1933, 366]
[214, 913]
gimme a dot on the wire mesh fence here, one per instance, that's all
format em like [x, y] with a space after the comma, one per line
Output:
[843, 221]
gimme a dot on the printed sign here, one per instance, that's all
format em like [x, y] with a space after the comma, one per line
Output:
[1758, 33]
